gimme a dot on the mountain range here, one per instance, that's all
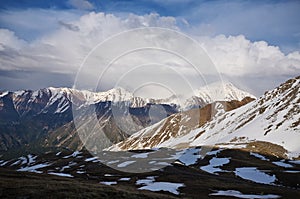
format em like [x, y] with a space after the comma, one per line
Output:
[44, 118]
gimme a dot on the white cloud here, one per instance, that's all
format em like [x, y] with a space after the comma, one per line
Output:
[238, 56]
[8, 39]
[81, 4]
[63, 49]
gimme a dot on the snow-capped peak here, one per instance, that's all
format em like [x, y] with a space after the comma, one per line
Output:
[217, 91]
[2, 94]
[221, 91]
[118, 94]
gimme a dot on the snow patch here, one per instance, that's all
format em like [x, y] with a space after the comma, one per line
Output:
[108, 183]
[214, 163]
[253, 174]
[282, 164]
[215, 152]
[61, 174]
[3, 163]
[74, 154]
[108, 175]
[190, 156]
[140, 155]
[34, 168]
[163, 186]
[124, 179]
[241, 195]
[125, 164]
[92, 159]
[295, 161]
[259, 156]
[159, 186]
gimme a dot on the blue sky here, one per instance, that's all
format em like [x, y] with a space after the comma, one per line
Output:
[276, 22]
[256, 38]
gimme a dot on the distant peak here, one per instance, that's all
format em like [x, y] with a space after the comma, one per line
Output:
[222, 91]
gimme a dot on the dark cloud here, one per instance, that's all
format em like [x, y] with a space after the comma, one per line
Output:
[18, 80]
[69, 26]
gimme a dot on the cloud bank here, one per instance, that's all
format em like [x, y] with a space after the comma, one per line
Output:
[62, 50]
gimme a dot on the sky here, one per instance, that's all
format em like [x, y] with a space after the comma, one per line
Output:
[253, 44]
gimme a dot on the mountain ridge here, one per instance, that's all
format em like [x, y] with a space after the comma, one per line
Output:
[203, 95]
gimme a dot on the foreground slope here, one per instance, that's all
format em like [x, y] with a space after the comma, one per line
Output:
[273, 118]
[217, 174]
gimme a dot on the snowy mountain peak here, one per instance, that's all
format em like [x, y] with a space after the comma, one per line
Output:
[221, 91]
[118, 94]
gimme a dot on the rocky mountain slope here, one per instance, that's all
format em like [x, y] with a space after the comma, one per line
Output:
[34, 117]
[177, 125]
[273, 118]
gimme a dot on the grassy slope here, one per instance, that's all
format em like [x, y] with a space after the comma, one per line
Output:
[15, 184]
